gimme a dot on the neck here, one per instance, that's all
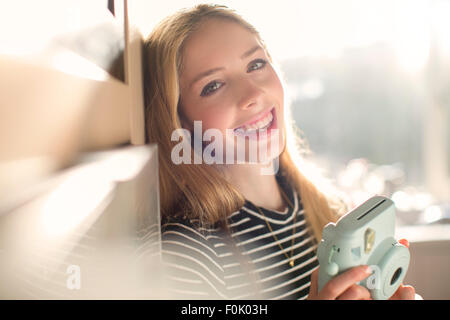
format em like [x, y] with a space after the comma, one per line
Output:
[261, 190]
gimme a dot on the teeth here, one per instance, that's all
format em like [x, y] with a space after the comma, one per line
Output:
[261, 124]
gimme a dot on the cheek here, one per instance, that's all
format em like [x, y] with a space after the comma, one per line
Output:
[215, 118]
[277, 92]
[201, 113]
[277, 88]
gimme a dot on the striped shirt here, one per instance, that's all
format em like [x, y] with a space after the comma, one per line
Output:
[201, 264]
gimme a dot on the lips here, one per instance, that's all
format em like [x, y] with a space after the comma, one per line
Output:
[262, 122]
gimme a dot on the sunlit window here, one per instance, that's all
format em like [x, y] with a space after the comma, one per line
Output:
[80, 38]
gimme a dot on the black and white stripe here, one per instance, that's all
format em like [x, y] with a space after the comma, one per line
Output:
[202, 264]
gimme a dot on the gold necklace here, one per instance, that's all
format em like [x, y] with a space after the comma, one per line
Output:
[291, 261]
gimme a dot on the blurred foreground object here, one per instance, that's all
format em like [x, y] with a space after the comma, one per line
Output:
[93, 234]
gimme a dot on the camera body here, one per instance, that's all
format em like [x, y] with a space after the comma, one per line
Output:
[365, 236]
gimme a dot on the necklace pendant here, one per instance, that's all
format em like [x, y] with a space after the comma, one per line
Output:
[291, 263]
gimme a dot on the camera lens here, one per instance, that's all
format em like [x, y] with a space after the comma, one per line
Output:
[396, 275]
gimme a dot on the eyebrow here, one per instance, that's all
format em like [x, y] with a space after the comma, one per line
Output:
[211, 71]
[251, 51]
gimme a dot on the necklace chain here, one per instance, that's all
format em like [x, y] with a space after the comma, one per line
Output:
[291, 261]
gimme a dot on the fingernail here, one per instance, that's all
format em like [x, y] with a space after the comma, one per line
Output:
[404, 242]
[367, 270]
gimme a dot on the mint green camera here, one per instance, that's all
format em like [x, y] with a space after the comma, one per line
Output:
[365, 236]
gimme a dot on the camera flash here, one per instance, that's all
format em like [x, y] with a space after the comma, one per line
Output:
[369, 240]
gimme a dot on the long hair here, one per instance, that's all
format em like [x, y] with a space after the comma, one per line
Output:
[199, 191]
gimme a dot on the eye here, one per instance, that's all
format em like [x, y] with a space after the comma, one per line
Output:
[211, 88]
[256, 64]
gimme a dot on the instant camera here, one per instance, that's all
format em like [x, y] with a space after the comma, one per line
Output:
[365, 236]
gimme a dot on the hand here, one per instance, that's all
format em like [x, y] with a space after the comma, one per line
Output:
[342, 287]
[404, 292]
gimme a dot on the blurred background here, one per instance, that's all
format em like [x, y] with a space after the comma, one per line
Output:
[367, 81]
[369, 88]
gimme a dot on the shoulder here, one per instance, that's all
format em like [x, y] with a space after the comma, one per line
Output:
[190, 258]
[184, 229]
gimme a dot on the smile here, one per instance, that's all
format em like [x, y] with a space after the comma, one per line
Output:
[262, 123]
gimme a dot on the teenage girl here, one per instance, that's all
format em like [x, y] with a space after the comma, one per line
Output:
[229, 229]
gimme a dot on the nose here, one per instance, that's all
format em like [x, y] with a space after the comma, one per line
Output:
[249, 94]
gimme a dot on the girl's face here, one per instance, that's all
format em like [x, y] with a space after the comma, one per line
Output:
[227, 82]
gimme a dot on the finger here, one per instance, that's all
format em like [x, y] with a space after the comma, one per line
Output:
[338, 285]
[404, 293]
[407, 293]
[355, 292]
[397, 294]
[404, 242]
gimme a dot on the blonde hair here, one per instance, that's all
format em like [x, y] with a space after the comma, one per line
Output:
[200, 191]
